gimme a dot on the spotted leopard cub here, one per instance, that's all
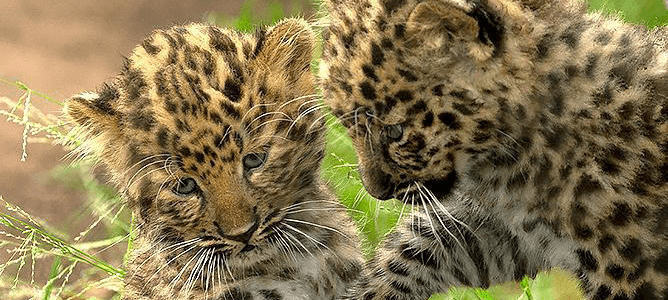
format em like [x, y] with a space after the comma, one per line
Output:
[532, 134]
[215, 142]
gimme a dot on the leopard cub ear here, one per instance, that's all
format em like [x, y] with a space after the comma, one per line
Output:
[287, 48]
[442, 27]
[94, 112]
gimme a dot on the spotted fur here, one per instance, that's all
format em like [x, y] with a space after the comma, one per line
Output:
[533, 135]
[214, 139]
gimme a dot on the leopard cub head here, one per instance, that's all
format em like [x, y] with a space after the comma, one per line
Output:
[416, 84]
[210, 134]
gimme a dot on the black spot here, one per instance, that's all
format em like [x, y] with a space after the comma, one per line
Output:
[271, 295]
[571, 35]
[423, 256]
[621, 214]
[645, 292]
[377, 56]
[162, 137]
[347, 270]
[199, 156]
[586, 186]
[428, 119]
[142, 119]
[220, 41]
[602, 293]
[623, 73]
[408, 75]
[399, 31]
[480, 137]
[237, 294]
[603, 38]
[615, 271]
[369, 72]
[578, 214]
[460, 276]
[518, 180]
[661, 263]
[631, 250]
[542, 176]
[591, 62]
[605, 243]
[346, 87]
[232, 89]
[261, 37]
[571, 71]
[404, 95]
[368, 90]
[437, 90]
[555, 136]
[150, 48]
[387, 44]
[450, 119]
[133, 80]
[401, 287]
[392, 5]
[417, 108]
[587, 260]
[626, 111]
[639, 271]
[485, 125]
[397, 267]
[230, 110]
[543, 46]
[464, 109]
[661, 219]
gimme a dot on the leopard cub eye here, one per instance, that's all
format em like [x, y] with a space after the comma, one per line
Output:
[185, 187]
[254, 160]
[394, 131]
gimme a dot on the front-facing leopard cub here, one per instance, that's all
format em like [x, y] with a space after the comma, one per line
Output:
[532, 133]
[215, 141]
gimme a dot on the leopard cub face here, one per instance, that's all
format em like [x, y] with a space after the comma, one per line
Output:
[214, 139]
[408, 95]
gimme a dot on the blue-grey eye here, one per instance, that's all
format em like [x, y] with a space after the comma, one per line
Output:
[254, 160]
[394, 131]
[185, 187]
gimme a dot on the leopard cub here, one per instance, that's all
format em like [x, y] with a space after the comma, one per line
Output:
[532, 133]
[214, 139]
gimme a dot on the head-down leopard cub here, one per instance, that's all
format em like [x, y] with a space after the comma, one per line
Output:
[215, 141]
[532, 133]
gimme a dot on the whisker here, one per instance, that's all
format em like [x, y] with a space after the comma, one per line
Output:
[429, 201]
[289, 235]
[172, 283]
[308, 237]
[171, 260]
[317, 225]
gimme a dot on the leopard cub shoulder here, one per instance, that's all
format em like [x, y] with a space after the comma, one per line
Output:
[215, 143]
[533, 134]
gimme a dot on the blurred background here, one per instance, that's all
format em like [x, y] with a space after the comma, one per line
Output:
[60, 48]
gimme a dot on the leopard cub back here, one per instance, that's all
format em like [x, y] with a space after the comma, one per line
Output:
[214, 139]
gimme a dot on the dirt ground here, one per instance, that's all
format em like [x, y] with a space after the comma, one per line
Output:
[64, 47]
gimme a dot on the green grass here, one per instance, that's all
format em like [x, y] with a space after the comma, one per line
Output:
[30, 241]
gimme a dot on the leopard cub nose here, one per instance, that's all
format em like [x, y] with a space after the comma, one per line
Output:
[243, 234]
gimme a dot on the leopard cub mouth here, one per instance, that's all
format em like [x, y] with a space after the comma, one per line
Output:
[435, 189]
